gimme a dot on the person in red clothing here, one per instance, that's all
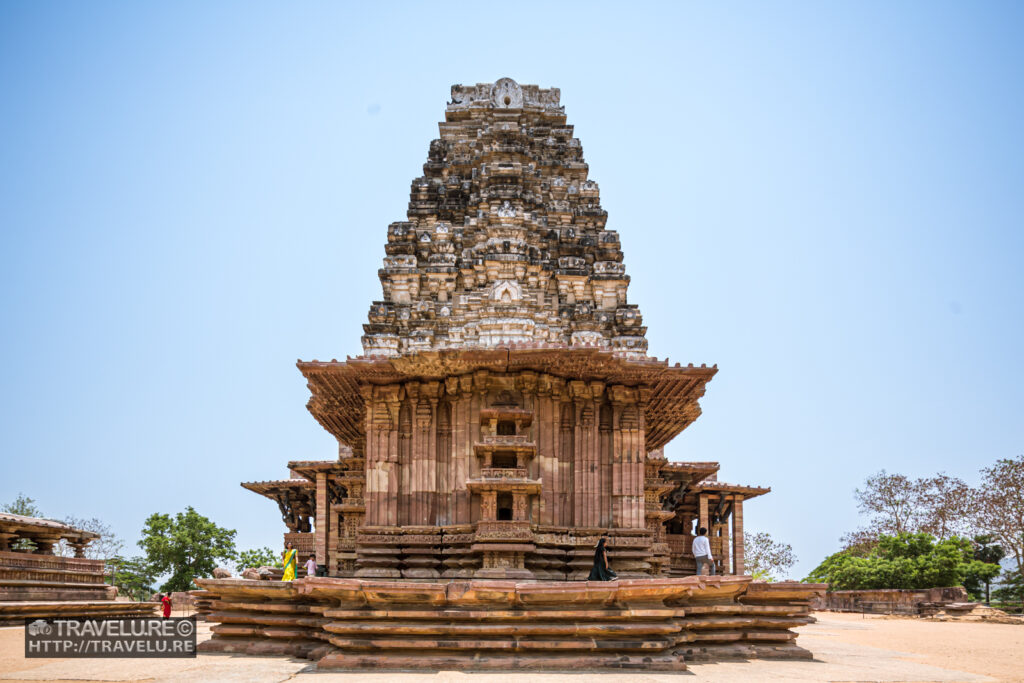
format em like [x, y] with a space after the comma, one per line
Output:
[166, 600]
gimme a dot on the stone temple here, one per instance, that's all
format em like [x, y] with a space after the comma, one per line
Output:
[37, 583]
[504, 415]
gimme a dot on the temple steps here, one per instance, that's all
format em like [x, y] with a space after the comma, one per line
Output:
[717, 652]
[14, 613]
[507, 614]
[503, 629]
[726, 636]
[301, 646]
[507, 644]
[499, 662]
[36, 589]
[267, 619]
[505, 625]
[44, 583]
[740, 621]
[10, 571]
[777, 610]
[50, 594]
[225, 606]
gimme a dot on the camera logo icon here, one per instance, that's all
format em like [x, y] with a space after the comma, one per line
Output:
[39, 627]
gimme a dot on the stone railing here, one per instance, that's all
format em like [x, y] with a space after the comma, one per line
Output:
[503, 530]
[32, 561]
[28, 577]
[518, 441]
[679, 544]
[304, 543]
[503, 473]
[892, 599]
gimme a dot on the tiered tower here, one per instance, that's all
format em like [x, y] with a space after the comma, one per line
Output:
[505, 241]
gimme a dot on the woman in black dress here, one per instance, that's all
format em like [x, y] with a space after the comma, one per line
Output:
[601, 571]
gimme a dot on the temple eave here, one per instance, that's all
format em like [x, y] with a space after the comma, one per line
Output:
[671, 404]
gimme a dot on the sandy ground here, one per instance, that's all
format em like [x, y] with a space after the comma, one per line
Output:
[846, 647]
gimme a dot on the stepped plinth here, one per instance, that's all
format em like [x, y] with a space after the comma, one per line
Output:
[34, 582]
[656, 624]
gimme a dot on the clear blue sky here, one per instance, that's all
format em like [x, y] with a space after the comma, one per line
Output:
[823, 198]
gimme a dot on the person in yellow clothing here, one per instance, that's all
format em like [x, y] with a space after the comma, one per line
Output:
[289, 556]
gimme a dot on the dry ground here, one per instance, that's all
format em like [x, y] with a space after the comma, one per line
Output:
[847, 647]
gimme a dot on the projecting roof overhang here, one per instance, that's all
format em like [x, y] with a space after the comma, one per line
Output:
[688, 473]
[670, 400]
[720, 487]
[14, 524]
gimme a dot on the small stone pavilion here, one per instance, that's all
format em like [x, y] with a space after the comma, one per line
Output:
[504, 416]
[36, 583]
[505, 412]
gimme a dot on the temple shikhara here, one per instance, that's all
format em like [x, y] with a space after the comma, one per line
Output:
[505, 415]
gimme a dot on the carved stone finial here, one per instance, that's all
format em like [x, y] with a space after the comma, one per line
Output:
[507, 94]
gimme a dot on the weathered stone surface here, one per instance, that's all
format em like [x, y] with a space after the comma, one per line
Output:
[14, 613]
[36, 583]
[909, 601]
[251, 573]
[485, 624]
[222, 573]
[970, 611]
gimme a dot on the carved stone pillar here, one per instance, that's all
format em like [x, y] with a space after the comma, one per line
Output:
[702, 512]
[332, 543]
[721, 530]
[519, 507]
[489, 505]
[392, 396]
[738, 558]
[45, 544]
[322, 518]
[566, 463]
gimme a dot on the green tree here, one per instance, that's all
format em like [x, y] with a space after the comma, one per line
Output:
[132, 576]
[22, 505]
[261, 557]
[988, 552]
[830, 565]
[904, 561]
[187, 546]
[26, 507]
[1011, 588]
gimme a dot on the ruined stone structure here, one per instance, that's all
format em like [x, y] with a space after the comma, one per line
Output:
[36, 583]
[505, 413]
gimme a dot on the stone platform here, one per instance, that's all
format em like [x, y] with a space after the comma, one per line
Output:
[34, 585]
[651, 624]
[15, 613]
